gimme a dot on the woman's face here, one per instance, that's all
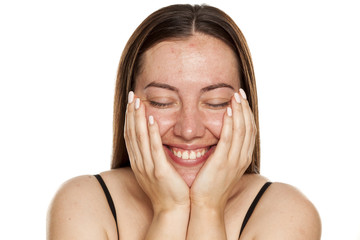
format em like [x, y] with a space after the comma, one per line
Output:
[186, 86]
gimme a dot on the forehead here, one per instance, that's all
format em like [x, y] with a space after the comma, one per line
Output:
[199, 59]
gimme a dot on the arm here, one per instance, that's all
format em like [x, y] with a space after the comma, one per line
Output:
[167, 191]
[169, 224]
[287, 214]
[72, 214]
[214, 184]
[206, 223]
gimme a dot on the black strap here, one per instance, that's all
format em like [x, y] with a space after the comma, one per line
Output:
[109, 199]
[253, 205]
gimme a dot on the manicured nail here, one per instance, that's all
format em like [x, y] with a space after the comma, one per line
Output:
[130, 97]
[237, 97]
[137, 103]
[242, 92]
[229, 111]
[151, 120]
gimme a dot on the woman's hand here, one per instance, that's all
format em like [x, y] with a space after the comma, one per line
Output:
[232, 156]
[156, 176]
[224, 168]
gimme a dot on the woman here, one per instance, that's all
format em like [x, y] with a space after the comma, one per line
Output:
[186, 146]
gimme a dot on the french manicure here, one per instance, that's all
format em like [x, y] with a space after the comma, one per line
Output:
[137, 103]
[237, 97]
[130, 97]
[151, 120]
[242, 92]
[229, 111]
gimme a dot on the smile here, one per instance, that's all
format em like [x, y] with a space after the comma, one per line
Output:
[189, 154]
[189, 157]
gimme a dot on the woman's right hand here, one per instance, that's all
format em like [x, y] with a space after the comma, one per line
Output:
[156, 176]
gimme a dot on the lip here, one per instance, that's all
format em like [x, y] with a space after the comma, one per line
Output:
[189, 146]
[189, 162]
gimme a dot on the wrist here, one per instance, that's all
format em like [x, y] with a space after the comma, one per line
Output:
[208, 205]
[206, 222]
[207, 210]
[163, 210]
[169, 223]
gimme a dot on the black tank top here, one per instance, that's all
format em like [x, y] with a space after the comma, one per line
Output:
[246, 218]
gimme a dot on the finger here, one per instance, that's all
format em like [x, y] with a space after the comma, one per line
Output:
[157, 151]
[248, 120]
[223, 146]
[253, 140]
[133, 149]
[239, 130]
[142, 136]
[127, 131]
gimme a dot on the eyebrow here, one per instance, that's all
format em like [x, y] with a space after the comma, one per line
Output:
[205, 89]
[214, 86]
[162, 85]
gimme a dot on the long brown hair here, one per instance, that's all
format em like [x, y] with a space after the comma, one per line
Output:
[177, 22]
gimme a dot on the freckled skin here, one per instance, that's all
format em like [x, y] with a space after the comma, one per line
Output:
[80, 211]
[188, 65]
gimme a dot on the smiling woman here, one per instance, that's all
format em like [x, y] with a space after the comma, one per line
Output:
[187, 89]
[186, 156]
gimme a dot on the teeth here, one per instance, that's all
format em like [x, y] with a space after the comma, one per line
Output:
[185, 155]
[189, 154]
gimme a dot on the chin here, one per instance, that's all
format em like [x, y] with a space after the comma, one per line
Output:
[188, 167]
[189, 178]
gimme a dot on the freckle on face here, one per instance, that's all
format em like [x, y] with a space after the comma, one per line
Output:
[189, 65]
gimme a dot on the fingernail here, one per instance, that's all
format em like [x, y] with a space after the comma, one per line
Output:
[137, 103]
[237, 97]
[151, 120]
[229, 111]
[130, 97]
[242, 92]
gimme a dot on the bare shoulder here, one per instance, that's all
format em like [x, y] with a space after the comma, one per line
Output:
[285, 213]
[76, 211]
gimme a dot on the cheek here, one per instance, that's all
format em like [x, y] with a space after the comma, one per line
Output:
[164, 119]
[213, 121]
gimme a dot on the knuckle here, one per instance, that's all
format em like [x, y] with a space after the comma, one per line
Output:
[155, 149]
[157, 152]
[139, 137]
[152, 131]
[129, 134]
[240, 131]
[246, 106]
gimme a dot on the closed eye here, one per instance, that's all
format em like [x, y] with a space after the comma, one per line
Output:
[160, 105]
[218, 105]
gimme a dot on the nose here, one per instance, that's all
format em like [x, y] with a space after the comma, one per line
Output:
[189, 124]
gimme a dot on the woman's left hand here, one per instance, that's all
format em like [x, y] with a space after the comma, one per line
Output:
[232, 156]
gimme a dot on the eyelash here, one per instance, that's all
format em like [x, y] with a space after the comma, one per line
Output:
[160, 105]
[220, 105]
[164, 105]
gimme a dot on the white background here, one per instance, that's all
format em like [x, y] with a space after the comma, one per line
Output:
[58, 62]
